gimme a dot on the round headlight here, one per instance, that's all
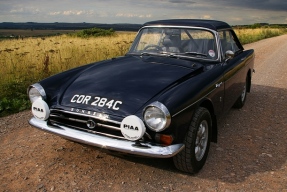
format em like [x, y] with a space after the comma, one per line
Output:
[35, 92]
[157, 116]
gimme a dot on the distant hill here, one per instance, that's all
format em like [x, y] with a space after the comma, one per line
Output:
[79, 26]
[69, 26]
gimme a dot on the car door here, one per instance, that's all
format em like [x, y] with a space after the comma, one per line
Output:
[234, 77]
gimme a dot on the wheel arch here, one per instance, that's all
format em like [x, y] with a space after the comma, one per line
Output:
[249, 74]
[209, 106]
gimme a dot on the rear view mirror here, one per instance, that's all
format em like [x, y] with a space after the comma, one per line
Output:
[229, 55]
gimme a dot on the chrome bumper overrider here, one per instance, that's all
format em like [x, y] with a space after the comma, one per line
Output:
[124, 146]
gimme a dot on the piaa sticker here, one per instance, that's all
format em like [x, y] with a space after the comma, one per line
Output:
[132, 128]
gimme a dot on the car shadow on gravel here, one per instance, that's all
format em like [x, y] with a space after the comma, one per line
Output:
[250, 140]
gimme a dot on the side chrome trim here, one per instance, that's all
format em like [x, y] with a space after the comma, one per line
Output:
[125, 146]
[194, 102]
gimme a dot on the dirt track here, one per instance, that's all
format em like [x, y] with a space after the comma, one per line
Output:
[251, 154]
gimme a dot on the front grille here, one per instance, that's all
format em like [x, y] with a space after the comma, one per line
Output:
[72, 120]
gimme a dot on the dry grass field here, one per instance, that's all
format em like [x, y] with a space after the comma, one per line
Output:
[26, 61]
[30, 56]
[251, 35]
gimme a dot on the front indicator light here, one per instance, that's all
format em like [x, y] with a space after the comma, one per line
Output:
[164, 139]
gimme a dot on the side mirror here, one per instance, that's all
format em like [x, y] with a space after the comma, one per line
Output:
[229, 55]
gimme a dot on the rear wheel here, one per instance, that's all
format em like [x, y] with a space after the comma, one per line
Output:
[242, 98]
[197, 141]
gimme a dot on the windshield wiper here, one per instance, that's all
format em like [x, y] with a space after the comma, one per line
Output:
[173, 55]
[150, 53]
[194, 53]
[161, 54]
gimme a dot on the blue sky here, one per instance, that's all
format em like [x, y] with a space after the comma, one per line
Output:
[139, 11]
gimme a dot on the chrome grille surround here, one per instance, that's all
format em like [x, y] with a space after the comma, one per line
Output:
[106, 127]
[78, 121]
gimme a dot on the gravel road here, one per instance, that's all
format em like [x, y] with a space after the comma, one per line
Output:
[251, 153]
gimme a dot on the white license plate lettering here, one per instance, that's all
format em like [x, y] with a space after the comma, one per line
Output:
[97, 101]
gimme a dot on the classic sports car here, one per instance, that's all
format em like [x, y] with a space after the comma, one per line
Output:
[162, 99]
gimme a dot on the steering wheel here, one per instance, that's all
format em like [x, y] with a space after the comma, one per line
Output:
[193, 44]
[153, 47]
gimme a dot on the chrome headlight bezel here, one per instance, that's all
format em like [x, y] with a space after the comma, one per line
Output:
[161, 112]
[35, 92]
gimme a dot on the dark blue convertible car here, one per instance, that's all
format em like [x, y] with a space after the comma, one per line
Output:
[162, 99]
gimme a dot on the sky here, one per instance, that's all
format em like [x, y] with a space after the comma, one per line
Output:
[234, 12]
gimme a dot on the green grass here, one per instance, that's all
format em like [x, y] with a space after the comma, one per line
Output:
[25, 33]
[93, 32]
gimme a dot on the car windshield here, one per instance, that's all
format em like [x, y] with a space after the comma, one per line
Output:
[177, 42]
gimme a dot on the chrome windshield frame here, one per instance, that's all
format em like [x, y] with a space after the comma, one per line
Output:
[215, 34]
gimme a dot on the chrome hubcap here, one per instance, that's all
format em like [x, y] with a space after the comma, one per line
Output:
[201, 140]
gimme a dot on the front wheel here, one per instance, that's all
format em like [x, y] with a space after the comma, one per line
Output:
[197, 141]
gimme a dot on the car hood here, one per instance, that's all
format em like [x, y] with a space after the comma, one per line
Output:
[123, 86]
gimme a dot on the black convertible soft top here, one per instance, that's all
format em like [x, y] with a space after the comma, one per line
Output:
[210, 24]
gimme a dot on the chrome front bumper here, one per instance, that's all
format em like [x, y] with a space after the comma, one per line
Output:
[124, 146]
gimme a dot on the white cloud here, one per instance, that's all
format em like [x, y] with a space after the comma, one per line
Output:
[130, 15]
[55, 13]
[25, 10]
[237, 19]
[139, 11]
[72, 12]
[20, 10]
[206, 17]
[68, 13]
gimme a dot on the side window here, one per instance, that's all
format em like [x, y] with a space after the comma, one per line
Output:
[227, 41]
